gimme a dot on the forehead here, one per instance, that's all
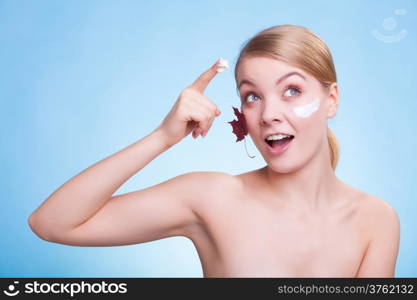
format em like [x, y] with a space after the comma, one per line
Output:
[253, 68]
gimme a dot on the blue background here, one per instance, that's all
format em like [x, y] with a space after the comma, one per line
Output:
[80, 80]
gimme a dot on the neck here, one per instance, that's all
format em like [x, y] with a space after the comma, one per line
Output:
[310, 189]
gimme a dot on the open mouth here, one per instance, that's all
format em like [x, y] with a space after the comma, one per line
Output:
[280, 142]
[279, 145]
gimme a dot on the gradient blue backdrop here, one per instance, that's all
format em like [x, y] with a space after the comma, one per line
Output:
[80, 80]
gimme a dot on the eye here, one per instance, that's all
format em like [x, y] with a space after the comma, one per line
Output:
[292, 91]
[247, 97]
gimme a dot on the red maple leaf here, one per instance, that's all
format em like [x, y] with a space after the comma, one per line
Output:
[239, 125]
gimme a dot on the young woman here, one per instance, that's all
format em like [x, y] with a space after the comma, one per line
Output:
[291, 218]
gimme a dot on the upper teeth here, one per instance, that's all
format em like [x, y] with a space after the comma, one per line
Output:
[276, 137]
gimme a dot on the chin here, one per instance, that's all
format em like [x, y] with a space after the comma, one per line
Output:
[287, 166]
[287, 162]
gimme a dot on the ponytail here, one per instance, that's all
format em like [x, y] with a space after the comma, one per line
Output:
[333, 147]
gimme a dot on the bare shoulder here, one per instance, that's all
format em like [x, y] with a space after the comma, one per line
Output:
[211, 180]
[377, 213]
[379, 210]
[212, 187]
[211, 194]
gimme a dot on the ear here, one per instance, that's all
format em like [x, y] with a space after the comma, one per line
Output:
[333, 100]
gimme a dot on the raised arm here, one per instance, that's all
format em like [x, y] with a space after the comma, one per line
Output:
[160, 211]
[83, 212]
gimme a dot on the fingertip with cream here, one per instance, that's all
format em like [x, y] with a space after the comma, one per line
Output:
[222, 65]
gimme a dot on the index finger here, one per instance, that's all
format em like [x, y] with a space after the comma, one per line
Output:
[201, 83]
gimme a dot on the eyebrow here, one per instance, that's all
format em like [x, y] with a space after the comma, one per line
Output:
[276, 83]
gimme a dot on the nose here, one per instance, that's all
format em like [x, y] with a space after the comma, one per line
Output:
[272, 111]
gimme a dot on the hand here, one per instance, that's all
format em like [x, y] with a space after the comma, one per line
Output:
[192, 111]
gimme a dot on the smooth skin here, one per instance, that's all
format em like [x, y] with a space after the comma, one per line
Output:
[292, 218]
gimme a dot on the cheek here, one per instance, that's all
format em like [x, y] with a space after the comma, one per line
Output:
[307, 110]
[310, 115]
[251, 119]
[309, 119]
[251, 124]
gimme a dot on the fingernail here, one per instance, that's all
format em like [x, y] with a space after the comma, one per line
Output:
[204, 133]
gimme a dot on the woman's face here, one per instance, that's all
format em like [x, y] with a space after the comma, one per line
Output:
[281, 100]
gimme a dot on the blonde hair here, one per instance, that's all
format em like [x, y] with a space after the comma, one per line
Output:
[298, 46]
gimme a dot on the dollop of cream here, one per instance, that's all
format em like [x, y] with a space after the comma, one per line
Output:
[222, 65]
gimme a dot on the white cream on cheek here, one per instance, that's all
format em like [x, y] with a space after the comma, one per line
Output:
[307, 110]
